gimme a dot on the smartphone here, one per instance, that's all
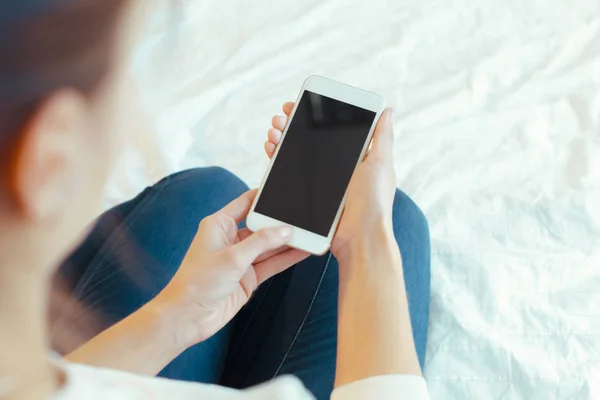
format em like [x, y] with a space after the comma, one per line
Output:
[326, 137]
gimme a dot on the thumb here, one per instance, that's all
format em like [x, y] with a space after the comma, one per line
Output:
[260, 242]
[383, 137]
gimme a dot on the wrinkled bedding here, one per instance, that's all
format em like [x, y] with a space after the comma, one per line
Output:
[498, 119]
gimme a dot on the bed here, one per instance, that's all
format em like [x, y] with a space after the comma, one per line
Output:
[498, 127]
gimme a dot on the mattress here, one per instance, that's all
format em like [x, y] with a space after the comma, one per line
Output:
[498, 140]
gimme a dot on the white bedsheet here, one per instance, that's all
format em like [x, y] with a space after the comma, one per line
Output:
[498, 116]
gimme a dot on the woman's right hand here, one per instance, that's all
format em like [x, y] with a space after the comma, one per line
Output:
[370, 195]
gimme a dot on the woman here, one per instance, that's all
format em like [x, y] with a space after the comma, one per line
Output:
[167, 281]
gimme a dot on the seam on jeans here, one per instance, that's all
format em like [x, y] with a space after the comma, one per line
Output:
[239, 341]
[287, 353]
[129, 220]
[111, 242]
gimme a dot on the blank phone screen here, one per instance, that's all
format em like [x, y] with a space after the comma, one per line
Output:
[318, 155]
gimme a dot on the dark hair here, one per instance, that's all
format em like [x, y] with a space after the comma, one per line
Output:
[49, 44]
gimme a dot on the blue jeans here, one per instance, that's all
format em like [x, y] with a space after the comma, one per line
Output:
[288, 327]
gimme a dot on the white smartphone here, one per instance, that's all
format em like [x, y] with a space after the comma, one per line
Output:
[326, 137]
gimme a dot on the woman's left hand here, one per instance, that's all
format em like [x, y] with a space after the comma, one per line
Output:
[221, 270]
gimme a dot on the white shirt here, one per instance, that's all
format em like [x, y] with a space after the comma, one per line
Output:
[90, 383]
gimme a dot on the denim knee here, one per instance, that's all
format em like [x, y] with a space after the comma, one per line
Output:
[412, 234]
[205, 176]
[214, 182]
[408, 217]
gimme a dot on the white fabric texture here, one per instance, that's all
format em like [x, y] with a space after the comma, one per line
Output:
[498, 117]
[90, 383]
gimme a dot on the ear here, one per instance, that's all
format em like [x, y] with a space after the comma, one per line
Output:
[43, 169]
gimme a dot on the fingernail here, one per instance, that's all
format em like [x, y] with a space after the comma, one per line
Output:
[285, 232]
[392, 114]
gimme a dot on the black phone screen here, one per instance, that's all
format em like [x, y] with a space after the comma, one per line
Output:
[308, 180]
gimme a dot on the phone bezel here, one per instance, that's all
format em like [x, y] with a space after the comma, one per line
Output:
[303, 239]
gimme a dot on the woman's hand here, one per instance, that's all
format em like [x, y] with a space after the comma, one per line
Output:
[372, 300]
[370, 195]
[222, 269]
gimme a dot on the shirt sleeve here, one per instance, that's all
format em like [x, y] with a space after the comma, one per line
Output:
[385, 387]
